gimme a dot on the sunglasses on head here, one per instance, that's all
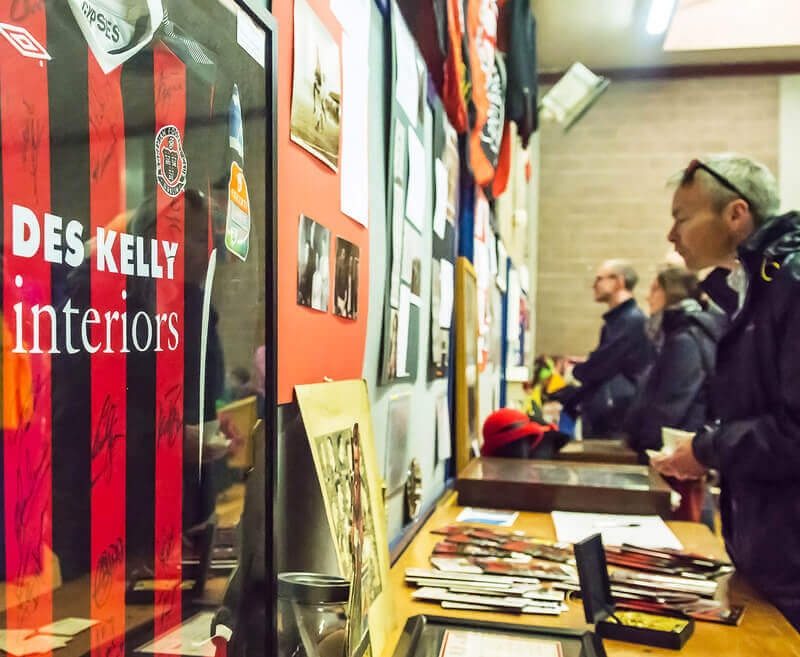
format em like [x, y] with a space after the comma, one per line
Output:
[694, 165]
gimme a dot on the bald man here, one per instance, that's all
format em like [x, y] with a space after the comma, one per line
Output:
[610, 374]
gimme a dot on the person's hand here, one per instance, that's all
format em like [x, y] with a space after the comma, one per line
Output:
[681, 464]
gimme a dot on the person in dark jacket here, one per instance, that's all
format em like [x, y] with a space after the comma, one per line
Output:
[611, 373]
[724, 211]
[673, 394]
[675, 391]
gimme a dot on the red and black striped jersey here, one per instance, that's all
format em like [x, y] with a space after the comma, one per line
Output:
[114, 184]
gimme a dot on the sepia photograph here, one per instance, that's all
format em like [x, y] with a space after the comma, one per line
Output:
[333, 460]
[345, 302]
[316, 89]
[313, 265]
[391, 360]
[440, 337]
[412, 258]
[451, 163]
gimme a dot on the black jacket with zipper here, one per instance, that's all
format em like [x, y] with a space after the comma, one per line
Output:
[675, 391]
[612, 372]
[755, 398]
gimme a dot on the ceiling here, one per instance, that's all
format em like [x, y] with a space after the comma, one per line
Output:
[611, 34]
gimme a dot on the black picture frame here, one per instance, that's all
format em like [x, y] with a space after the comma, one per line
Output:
[260, 14]
[585, 643]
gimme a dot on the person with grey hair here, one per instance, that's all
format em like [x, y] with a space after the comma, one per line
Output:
[610, 375]
[724, 217]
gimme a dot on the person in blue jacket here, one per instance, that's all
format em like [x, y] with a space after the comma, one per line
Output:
[675, 391]
[724, 211]
[610, 375]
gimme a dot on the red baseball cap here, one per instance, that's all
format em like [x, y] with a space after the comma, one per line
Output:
[508, 425]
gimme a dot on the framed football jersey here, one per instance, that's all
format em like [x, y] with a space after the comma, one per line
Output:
[137, 167]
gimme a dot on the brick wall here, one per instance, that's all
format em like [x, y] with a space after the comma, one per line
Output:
[602, 185]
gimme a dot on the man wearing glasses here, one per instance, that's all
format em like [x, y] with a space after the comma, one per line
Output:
[611, 373]
[724, 217]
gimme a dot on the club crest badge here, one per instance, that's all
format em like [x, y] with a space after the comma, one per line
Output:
[170, 161]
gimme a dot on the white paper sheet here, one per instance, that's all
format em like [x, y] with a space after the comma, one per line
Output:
[402, 330]
[644, 531]
[412, 249]
[473, 644]
[447, 282]
[488, 517]
[514, 294]
[354, 165]
[190, 639]
[417, 188]
[502, 266]
[444, 449]
[24, 642]
[353, 15]
[68, 626]
[397, 244]
[407, 84]
[491, 244]
[440, 209]
[524, 279]
[251, 37]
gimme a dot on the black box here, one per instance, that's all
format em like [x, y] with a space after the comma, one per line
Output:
[598, 605]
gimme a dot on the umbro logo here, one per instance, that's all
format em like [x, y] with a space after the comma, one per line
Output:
[25, 43]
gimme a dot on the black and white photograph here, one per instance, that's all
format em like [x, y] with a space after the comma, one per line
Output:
[317, 87]
[391, 361]
[397, 458]
[412, 258]
[345, 303]
[440, 337]
[313, 265]
[451, 163]
[333, 461]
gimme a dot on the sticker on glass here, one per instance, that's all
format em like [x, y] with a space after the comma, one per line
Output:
[237, 223]
[170, 161]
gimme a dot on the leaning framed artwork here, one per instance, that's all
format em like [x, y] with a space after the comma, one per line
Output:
[466, 379]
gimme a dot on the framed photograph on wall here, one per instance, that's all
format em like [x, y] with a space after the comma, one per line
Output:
[466, 304]
[137, 170]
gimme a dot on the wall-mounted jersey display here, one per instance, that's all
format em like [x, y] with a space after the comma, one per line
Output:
[134, 294]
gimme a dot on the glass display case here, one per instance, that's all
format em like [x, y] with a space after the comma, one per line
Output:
[137, 167]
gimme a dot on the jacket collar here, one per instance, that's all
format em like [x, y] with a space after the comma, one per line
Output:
[715, 285]
[779, 236]
[622, 308]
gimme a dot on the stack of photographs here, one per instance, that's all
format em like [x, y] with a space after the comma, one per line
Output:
[485, 592]
[472, 560]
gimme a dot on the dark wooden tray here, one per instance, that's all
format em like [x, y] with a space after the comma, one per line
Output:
[598, 451]
[530, 485]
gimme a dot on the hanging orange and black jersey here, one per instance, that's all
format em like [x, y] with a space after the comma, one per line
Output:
[488, 90]
[456, 89]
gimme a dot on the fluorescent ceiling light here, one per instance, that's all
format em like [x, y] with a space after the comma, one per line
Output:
[660, 13]
[722, 24]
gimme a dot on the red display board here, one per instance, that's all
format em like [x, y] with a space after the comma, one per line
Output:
[312, 345]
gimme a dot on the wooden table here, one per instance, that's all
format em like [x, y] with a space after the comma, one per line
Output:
[533, 485]
[598, 451]
[763, 632]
